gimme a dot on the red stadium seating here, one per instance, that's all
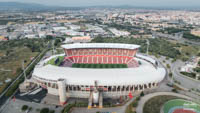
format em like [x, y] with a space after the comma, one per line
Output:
[94, 60]
[101, 56]
[99, 60]
[133, 63]
[89, 60]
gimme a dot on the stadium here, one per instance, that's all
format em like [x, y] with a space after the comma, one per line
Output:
[97, 71]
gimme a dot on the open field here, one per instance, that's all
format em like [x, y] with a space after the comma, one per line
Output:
[13, 53]
[13, 64]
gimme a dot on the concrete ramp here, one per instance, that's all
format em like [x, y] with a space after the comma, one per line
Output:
[90, 100]
[100, 99]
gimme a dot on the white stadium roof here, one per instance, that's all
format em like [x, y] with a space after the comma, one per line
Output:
[100, 45]
[146, 73]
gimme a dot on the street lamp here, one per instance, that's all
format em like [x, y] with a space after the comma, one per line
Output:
[147, 42]
[53, 42]
[23, 67]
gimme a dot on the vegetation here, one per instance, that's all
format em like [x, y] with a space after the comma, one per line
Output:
[56, 61]
[99, 65]
[13, 88]
[170, 74]
[13, 52]
[171, 30]
[44, 110]
[24, 108]
[179, 102]
[132, 107]
[157, 46]
[197, 69]
[68, 108]
[51, 111]
[174, 90]
[190, 36]
[142, 94]
[192, 75]
[154, 104]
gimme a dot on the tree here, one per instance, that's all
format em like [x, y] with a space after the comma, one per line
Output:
[57, 41]
[168, 66]
[142, 94]
[44, 110]
[170, 74]
[24, 108]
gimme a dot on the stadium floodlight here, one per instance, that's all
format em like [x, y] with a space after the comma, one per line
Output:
[53, 42]
[24, 69]
[147, 42]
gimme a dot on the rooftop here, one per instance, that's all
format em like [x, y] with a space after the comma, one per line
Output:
[100, 45]
[145, 73]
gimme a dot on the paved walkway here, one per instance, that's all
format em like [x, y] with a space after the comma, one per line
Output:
[120, 109]
[144, 99]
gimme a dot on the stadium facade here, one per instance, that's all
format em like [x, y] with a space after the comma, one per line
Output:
[64, 81]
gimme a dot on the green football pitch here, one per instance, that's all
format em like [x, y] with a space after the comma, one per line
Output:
[180, 103]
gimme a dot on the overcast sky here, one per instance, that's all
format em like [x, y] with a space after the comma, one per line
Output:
[172, 3]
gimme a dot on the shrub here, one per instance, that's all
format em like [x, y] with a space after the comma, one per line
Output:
[135, 103]
[38, 110]
[30, 108]
[170, 75]
[52, 111]
[68, 108]
[174, 90]
[142, 94]
[138, 98]
[24, 108]
[168, 66]
[193, 75]
[44, 110]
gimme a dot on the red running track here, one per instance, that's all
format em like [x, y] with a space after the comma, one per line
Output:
[183, 111]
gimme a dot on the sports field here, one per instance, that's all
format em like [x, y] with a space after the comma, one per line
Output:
[181, 106]
[56, 61]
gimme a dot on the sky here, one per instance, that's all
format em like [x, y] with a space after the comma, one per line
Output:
[151, 3]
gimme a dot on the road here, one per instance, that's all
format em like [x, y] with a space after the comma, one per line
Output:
[185, 82]
[177, 38]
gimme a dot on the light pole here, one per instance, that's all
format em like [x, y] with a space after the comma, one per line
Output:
[53, 42]
[24, 70]
[147, 42]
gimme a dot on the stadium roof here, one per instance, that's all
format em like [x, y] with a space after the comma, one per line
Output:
[146, 73]
[100, 45]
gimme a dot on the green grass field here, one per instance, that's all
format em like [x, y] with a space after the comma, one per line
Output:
[52, 61]
[179, 102]
[99, 65]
